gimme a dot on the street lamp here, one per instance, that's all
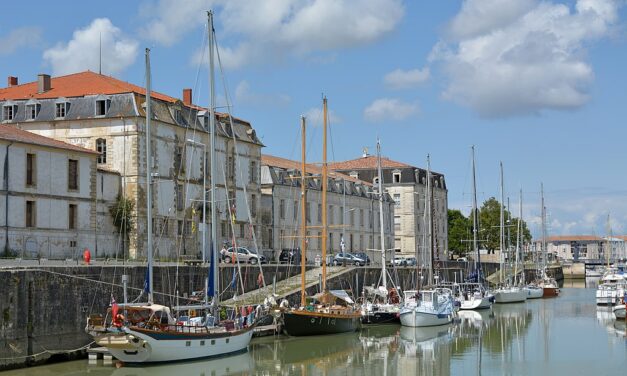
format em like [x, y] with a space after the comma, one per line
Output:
[204, 195]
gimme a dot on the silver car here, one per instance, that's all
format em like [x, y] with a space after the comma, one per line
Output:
[243, 255]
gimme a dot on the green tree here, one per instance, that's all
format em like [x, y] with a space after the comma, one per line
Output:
[459, 231]
[122, 213]
[489, 226]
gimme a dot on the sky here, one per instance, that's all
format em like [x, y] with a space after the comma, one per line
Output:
[537, 85]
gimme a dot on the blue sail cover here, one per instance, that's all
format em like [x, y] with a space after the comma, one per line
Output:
[212, 270]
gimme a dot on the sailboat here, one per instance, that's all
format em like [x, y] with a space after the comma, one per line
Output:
[330, 311]
[613, 283]
[150, 333]
[533, 290]
[433, 305]
[387, 310]
[474, 295]
[549, 285]
[507, 292]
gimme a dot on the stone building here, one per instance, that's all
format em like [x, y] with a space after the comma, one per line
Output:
[584, 247]
[407, 186]
[52, 195]
[353, 210]
[107, 115]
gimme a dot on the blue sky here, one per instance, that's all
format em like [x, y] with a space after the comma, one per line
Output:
[539, 85]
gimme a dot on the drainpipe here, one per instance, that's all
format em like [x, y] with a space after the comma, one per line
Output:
[6, 201]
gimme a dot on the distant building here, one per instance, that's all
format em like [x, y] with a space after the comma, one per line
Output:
[353, 210]
[107, 115]
[407, 186]
[54, 197]
[585, 247]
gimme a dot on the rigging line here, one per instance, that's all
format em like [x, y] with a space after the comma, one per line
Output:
[235, 145]
[234, 246]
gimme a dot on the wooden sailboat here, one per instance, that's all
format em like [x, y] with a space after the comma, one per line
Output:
[149, 333]
[331, 311]
[382, 305]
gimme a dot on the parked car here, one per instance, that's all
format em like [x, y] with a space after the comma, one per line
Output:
[348, 259]
[462, 259]
[399, 261]
[290, 256]
[243, 255]
[410, 261]
[363, 256]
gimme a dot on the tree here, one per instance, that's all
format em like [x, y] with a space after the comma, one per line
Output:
[459, 230]
[122, 213]
[489, 226]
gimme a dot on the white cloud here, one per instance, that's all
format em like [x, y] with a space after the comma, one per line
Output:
[520, 57]
[28, 36]
[400, 79]
[315, 118]
[170, 20]
[244, 94]
[389, 109]
[269, 31]
[82, 52]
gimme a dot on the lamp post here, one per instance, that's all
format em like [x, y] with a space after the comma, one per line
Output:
[204, 195]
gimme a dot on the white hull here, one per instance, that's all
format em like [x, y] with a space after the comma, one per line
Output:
[534, 292]
[137, 347]
[608, 296]
[412, 317]
[510, 295]
[476, 303]
[619, 311]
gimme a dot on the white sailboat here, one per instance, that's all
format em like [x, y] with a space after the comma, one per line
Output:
[506, 293]
[549, 285]
[432, 306]
[150, 333]
[381, 306]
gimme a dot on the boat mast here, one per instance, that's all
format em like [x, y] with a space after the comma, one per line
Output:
[502, 225]
[519, 236]
[212, 141]
[324, 195]
[430, 240]
[475, 244]
[303, 215]
[382, 234]
[148, 177]
[543, 229]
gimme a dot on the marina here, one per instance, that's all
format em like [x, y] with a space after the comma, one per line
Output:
[540, 336]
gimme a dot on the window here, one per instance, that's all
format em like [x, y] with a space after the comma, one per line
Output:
[72, 243]
[32, 110]
[308, 212]
[361, 217]
[62, 108]
[397, 223]
[396, 177]
[213, 341]
[397, 200]
[8, 112]
[72, 216]
[319, 213]
[178, 159]
[72, 177]
[270, 239]
[202, 343]
[179, 197]
[224, 227]
[188, 343]
[101, 148]
[252, 174]
[350, 240]
[31, 169]
[282, 209]
[30, 214]
[242, 230]
[319, 240]
[295, 210]
[253, 205]
[102, 106]
[330, 215]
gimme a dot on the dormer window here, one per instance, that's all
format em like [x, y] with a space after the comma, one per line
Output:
[32, 110]
[354, 174]
[102, 106]
[8, 112]
[61, 109]
[396, 176]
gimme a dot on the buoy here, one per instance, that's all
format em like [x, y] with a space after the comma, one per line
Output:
[87, 256]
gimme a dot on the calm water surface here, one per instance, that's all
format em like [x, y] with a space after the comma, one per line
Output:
[563, 336]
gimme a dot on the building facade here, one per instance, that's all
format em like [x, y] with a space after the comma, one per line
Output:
[407, 186]
[586, 247]
[352, 213]
[49, 204]
[108, 116]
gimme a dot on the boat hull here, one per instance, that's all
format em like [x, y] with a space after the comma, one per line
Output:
[134, 346]
[550, 292]
[534, 292]
[380, 317]
[476, 303]
[510, 296]
[608, 296]
[305, 323]
[414, 318]
[619, 311]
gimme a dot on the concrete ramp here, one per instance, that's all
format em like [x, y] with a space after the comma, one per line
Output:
[285, 287]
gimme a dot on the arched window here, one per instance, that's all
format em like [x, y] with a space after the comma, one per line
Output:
[101, 148]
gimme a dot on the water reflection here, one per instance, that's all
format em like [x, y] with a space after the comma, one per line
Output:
[241, 364]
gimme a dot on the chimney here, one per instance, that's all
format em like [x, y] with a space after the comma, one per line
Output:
[43, 83]
[187, 96]
[11, 81]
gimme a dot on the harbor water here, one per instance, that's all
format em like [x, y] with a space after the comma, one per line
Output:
[568, 335]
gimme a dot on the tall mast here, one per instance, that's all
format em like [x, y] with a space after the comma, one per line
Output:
[324, 195]
[475, 245]
[303, 215]
[212, 142]
[383, 272]
[608, 243]
[430, 241]
[543, 228]
[502, 225]
[518, 234]
[148, 177]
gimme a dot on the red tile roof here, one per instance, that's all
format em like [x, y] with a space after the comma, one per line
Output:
[270, 160]
[10, 133]
[368, 162]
